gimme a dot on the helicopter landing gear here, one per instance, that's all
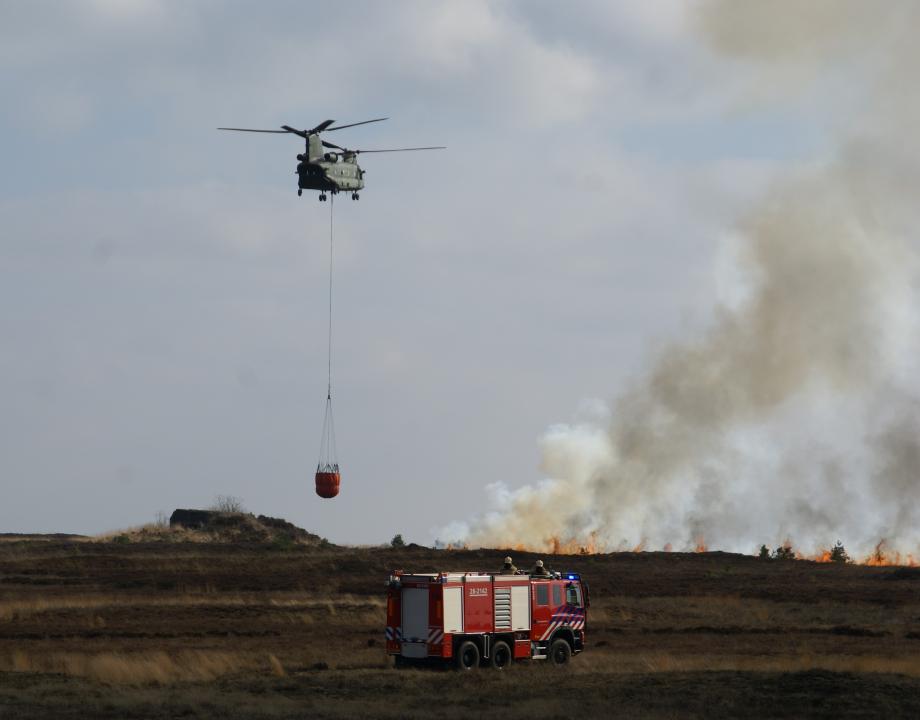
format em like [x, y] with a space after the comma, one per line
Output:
[299, 192]
[355, 196]
[322, 197]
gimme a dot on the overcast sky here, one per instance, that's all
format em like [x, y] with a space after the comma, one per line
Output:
[163, 289]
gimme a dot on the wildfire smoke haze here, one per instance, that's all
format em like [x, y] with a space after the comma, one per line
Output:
[795, 414]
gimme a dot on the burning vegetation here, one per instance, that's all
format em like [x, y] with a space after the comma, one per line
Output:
[880, 556]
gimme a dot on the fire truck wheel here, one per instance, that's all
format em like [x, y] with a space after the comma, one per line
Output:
[467, 657]
[501, 655]
[559, 652]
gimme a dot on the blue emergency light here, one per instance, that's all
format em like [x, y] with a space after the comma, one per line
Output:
[572, 576]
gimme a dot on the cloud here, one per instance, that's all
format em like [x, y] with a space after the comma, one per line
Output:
[148, 262]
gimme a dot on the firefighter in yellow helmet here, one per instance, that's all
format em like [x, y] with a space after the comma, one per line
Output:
[508, 568]
[539, 570]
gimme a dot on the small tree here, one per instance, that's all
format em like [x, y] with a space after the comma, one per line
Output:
[784, 552]
[764, 553]
[228, 504]
[397, 541]
[839, 554]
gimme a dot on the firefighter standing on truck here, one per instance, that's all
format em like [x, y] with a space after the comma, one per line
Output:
[539, 570]
[508, 568]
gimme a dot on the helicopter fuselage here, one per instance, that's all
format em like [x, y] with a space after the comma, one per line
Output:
[330, 175]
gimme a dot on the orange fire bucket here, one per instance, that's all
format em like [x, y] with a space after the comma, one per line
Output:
[327, 483]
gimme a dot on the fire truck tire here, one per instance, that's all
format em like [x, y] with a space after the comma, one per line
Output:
[501, 655]
[467, 657]
[560, 652]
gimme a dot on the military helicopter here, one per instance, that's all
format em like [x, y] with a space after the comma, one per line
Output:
[331, 172]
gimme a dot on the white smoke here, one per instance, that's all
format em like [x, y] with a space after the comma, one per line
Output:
[795, 415]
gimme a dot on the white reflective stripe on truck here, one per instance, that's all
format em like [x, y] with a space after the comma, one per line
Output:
[453, 610]
[520, 607]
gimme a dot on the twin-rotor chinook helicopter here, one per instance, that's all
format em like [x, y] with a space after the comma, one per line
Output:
[331, 172]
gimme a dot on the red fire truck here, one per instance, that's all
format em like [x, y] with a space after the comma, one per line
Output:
[475, 618]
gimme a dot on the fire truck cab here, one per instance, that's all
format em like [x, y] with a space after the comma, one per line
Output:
[475, 618]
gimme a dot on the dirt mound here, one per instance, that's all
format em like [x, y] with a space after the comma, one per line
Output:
[220, 527]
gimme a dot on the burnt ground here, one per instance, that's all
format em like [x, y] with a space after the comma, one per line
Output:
[249, 630]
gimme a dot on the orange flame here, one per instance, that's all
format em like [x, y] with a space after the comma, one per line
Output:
[574, 546]
[592, 545]
[882, 557]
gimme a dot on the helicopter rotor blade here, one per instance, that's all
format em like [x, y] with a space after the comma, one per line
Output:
[283, 132]
[433, 147]
[322, 126]
[302, 133]
[342, 127]
[333, 145]
[306, 133]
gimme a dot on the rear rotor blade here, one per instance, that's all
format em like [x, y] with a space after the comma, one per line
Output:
[333, 145]
[283, 132]
[433, 147]
[363, 122]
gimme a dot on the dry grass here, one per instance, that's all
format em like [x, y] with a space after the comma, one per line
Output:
[667, 662]
[677, 613]
[133, 668]
[19, 609]
[152, 532]
[249, 631]
[277, 667]
[18, 539]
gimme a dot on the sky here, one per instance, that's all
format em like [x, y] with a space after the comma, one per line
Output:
[163, 289]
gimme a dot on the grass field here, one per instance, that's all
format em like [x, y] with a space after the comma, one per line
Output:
[93, 629]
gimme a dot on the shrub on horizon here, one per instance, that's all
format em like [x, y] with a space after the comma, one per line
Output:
[228, 504]
[839, 554]
[784, 552]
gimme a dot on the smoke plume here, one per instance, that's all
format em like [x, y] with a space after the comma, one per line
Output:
[795, 414]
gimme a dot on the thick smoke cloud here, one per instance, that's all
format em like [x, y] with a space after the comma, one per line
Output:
[794, 415]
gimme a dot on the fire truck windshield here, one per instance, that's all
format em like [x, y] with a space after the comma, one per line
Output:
[573, 595]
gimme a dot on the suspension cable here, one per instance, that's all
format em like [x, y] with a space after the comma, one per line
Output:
[329, 360]
[328, 453]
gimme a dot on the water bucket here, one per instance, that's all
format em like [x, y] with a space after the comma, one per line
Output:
[327, 482]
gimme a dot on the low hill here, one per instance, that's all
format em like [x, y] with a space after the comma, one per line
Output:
[212, 526]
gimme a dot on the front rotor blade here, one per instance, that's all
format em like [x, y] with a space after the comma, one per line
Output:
[433, 147]
[283, 132]
[322, 126]
[363, 122]
[302, 133]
